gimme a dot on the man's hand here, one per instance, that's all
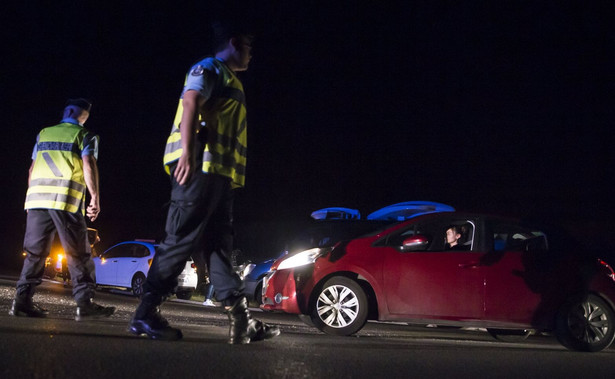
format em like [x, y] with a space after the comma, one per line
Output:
[93, 210]
[185, 168]
[191, 101]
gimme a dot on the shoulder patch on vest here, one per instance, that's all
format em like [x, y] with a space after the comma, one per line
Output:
[197, 71]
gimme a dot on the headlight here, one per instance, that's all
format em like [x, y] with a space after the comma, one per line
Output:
[247, 270]
[303, 258]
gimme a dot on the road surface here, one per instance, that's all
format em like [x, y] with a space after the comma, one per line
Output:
[59, 347]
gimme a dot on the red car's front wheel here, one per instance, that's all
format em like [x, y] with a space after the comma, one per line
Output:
[341, 307]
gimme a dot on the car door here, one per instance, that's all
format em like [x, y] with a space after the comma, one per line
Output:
[514, 274]
[433, 282]
[134, 259]
[106, 270]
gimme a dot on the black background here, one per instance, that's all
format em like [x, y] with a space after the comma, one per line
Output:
[504, 107]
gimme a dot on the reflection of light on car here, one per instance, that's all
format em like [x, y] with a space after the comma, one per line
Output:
[608, 267]
[246, 270]
[303, 258]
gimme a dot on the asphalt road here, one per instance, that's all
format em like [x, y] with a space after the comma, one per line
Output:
[59, 347]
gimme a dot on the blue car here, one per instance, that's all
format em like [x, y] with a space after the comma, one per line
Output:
[334, 224]
[253, 278]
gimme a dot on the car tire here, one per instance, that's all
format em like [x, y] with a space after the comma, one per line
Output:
[341, 307]
[184, 295]
[510, 335]
[137, 284]
[585, 324]
[258, 293]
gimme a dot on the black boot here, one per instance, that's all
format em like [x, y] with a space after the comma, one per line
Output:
[148, 320]
[89, 310]
[27, 308]
[243, 328]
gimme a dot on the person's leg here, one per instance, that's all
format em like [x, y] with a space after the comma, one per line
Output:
[222, 275]
[209, 291]
[37, 243]
[188, 215]
[209, 294]
[229, 286]
[72, 231]
[65, 274]
[201, 270]
[73, 235]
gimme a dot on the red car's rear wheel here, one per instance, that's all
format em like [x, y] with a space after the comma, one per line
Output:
[586, 324]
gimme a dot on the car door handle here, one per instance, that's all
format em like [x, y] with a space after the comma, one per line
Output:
[469, 265]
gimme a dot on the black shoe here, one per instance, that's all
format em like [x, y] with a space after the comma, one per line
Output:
[243, 329]
[92, 311]
[264, 331]
[27, 309]
[155, 327]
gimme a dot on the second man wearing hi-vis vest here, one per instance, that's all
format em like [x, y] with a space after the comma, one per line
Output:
[63, 166]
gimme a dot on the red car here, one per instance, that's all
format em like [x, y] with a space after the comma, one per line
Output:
[495, 273]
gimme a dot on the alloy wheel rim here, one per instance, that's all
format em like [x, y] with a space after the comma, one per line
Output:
[137, 288]
[337, 306]
[588, 322]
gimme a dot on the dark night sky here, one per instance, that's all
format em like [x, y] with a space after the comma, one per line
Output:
[504, 108]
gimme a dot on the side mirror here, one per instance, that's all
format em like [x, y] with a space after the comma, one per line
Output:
[415, 243]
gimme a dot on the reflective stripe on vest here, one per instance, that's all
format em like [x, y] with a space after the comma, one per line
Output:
[173, 149]
[57, 181]
[224, 116]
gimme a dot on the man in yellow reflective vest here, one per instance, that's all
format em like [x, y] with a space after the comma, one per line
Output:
[205, 156]
[63, 166]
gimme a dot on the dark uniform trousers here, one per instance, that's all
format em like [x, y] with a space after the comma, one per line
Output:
[41, 226]
[199, 209]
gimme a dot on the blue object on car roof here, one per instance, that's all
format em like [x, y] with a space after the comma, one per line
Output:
[408, 209]
[336, 213]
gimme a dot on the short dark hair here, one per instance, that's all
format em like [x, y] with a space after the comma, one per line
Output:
[457, 229]
[223, 31]
[80, 102]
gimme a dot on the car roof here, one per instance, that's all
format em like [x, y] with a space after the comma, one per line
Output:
[409, 209]
[150, 243]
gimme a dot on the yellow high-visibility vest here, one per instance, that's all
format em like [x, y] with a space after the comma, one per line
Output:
[57, 181]
[224, 120]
